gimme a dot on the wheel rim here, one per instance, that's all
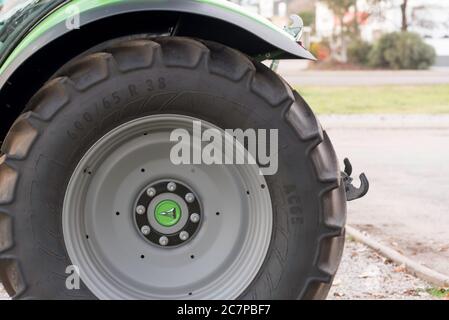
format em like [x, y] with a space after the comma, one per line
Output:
[218, 260]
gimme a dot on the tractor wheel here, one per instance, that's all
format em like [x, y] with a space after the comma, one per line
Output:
[87, 185]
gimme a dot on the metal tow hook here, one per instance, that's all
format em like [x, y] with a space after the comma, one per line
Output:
[296, 30]
[353, 193]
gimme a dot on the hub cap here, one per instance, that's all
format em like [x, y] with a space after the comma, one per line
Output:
[140, 227]
[167, 213]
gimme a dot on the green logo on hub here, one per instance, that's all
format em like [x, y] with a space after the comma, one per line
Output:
[167, 213]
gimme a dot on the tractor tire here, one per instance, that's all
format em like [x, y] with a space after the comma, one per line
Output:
[56, 170]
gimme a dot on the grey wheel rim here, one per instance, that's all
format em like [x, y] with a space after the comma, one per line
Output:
[116, 262]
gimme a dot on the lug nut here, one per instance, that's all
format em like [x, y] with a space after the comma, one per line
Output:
[145, 230]
[140, 209]
[184, 235]
[190, 197]
[151, 192]
[171, 186]
[163, 241]
[195, 217]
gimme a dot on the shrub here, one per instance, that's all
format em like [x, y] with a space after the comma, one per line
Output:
[402, 50]
[359, 51]
[320, 50]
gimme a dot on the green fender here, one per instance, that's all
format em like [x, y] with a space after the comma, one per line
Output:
[27, 45]
[53, 25]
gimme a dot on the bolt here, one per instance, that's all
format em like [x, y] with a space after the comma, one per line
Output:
[171, 186]
[151, 192]
[190, 197]
[145, 230]
[163, 241]
[195, 217]
[184, 235]
[140, 210]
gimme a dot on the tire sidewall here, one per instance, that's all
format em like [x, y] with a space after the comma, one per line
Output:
[123, 97]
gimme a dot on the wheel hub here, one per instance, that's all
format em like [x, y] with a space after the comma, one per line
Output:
[167, 213]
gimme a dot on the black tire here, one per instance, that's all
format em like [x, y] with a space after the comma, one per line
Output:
[97, 92]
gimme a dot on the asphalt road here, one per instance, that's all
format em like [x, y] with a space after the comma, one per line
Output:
[293, 71]
[407, 162]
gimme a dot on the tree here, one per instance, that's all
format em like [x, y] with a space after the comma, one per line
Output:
[403, 8]
[404, 26]
[340, 8]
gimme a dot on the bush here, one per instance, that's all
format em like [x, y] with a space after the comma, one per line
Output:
[359, 51]
[402, 50]
[320, 50]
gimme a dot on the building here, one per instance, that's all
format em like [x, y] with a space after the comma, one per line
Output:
[266, 8]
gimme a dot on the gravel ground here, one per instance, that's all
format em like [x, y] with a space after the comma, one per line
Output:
[364, 274]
